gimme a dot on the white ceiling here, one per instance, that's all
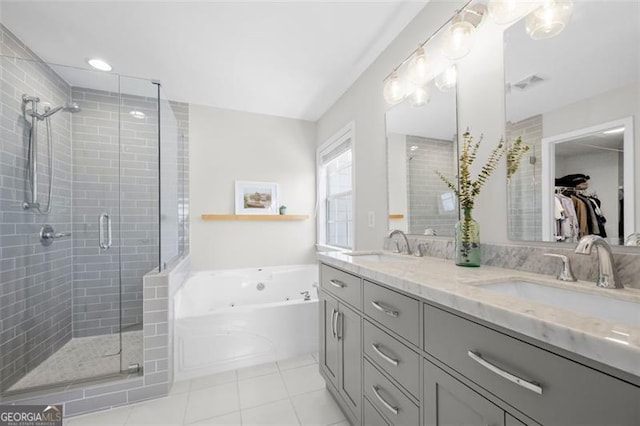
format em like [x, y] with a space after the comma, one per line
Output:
[288, 58]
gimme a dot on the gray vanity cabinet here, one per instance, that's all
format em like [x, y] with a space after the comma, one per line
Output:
[341, 337]
[392, 358]
[447, 401]
[546, 387]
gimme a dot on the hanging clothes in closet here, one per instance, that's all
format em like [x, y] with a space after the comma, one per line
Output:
[577, 214]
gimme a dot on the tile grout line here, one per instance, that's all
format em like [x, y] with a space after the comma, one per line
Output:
[238, 394]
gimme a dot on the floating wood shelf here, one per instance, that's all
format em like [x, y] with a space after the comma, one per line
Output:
[254, 216]
[396, 216]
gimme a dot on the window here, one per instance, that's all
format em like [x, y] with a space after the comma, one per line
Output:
[335, 191]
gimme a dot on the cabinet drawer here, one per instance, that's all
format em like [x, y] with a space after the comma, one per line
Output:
[393, 357]
[371, 416]
[341, 284]
[571, 393]
[394, 310]
[388, 399]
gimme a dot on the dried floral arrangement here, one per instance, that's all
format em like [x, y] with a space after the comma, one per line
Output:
[469, 188]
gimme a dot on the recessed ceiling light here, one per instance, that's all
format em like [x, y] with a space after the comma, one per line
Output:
[99, 64]
[413, 147]
[137, 114]
[612, 131]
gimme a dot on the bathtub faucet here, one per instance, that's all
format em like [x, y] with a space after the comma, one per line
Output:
[307, 296]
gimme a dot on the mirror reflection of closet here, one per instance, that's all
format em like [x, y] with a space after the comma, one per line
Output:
[585, 176]
[421, 140]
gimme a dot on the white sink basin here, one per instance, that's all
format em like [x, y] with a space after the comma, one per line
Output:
[591, 304]
[379, 256]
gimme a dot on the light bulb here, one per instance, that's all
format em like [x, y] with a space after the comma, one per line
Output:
[393, 90]
[418, 70]
[457, 40]
[99, 64]
[507, 11]
[447, 79]
[419, 97]
[549, 19]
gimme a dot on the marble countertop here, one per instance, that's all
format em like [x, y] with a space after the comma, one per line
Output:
[439, 280]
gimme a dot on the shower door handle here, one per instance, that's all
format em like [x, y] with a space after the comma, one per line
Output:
[101, 224]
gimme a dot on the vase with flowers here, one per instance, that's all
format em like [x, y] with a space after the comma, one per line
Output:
[467, 231]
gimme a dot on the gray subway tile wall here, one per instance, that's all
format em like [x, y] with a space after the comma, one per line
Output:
[424, 187]
[35, 281]
[525, 199]
[115, 173]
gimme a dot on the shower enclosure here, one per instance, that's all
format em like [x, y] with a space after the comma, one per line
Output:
[92, 198]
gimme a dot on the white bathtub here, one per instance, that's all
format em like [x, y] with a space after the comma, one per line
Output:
[237, 318]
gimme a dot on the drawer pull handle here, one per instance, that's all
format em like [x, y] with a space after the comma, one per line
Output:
[384, 356]
[534, 387]
[387, 311]
[390, 407]
[337, 283]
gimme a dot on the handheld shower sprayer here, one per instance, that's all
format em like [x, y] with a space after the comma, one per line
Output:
[32, 158]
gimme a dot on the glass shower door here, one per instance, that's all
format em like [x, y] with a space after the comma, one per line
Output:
[96, 217]
[60, 292]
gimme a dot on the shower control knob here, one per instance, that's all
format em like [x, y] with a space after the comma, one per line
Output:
[48, 235]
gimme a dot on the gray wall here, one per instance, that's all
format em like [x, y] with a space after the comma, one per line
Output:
[35, 281]
[424, 186]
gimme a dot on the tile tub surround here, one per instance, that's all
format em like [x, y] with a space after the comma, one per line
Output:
[440, 281]
[531, 258]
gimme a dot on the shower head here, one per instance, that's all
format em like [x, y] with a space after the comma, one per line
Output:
[68, 107]
[72, 107]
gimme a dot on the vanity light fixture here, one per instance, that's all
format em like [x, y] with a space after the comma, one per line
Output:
[459, 36]
[419, 97]
[99, 64]
[508, 11]
[419, 69]
[549, 19]
[393, 89]
[447, 79]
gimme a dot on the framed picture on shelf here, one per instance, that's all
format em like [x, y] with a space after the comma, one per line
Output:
[256, 197]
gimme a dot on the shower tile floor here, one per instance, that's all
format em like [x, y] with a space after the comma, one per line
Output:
[82, 358]
[283, 393]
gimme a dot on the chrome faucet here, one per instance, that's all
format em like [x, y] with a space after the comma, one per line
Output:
[607, 273]
[406, 240]
[566, 274]
[420, 250]
[632, 240]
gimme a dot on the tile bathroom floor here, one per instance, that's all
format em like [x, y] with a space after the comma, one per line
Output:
[289, 392]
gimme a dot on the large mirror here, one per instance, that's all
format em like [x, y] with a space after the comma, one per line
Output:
[421, 140]
[574, 99]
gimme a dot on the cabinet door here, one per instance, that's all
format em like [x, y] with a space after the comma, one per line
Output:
[329, 347]
[350, 337]
[512, 421]
[449, 402]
